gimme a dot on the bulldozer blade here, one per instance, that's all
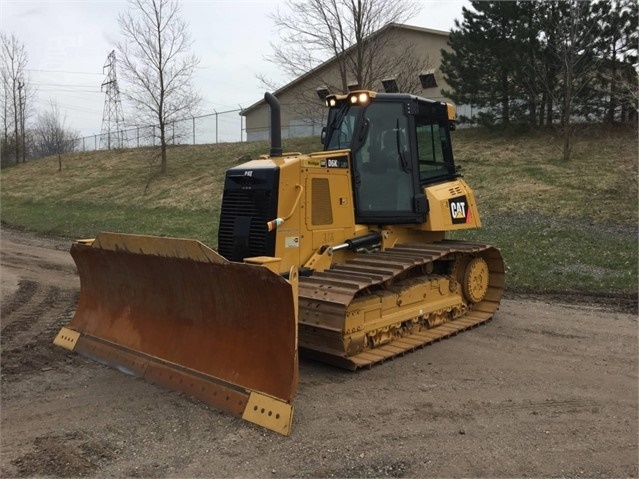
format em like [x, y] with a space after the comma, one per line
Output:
[178, 314]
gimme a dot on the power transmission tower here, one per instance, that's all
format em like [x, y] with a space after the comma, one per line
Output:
[113, 134]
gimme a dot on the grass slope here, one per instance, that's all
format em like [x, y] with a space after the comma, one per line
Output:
[562, 226]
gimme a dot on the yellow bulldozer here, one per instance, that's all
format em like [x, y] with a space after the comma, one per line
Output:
[339, 255]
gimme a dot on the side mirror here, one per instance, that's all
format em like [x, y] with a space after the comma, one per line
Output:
[323, 134]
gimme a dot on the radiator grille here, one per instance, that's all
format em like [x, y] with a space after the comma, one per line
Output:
[244, 203]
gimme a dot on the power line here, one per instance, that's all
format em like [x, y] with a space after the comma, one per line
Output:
[213, 105]
[69, 91]
[75, 108]
[61, 84]
[62, 71]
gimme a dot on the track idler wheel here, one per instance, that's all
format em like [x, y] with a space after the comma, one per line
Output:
[475, 282]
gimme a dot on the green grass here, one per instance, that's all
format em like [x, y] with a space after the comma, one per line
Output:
[563, 227]
[74, 219]
[551, 255]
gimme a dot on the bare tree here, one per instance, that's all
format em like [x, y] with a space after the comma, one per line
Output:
[7, 144]
[628, 94]
[359, 39]
[312, 31]
[575, 41]
[51, 136]
[17, 94]
[156, 65]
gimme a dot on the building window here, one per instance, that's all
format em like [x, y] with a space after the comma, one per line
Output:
[322, 92]
[390, 85]
[428, 80]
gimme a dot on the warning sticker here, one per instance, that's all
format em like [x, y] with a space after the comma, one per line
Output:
[292, 241]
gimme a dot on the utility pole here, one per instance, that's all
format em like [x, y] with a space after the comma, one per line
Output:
[20, 103]
[5, 120]
[112, 134]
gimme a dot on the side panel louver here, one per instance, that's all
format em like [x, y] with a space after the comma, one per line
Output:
[322, 213]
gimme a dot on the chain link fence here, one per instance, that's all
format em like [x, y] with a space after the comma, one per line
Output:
[217, 127]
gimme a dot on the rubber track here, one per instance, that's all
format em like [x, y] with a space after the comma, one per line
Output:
[324, 297]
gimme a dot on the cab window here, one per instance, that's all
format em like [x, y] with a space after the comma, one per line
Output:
[342, 135]
[432, 147]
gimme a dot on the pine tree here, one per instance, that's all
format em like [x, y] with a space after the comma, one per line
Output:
[545, 62]
[618, 50]
[481, 67]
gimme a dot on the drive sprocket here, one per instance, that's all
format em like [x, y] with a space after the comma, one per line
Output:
[476, 278]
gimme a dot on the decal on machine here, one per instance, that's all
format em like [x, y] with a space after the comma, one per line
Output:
[332, 162]
[292, 241]
[337, 162]
[459, 210]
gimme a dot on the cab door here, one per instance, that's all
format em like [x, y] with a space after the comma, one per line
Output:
[385, 178]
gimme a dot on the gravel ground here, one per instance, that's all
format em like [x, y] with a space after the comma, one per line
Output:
[544, 389]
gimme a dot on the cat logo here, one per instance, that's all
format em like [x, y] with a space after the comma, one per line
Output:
[459, 210]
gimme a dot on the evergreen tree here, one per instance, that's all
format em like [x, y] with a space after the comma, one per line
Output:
[528, 71]
[541, 62]
[481, 67]
[618, 50]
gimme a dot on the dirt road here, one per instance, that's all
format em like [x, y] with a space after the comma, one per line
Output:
[542, 390]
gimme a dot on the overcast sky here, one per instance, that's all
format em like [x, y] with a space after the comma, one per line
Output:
[67, 43]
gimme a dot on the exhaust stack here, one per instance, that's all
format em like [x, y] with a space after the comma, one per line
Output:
[276, 124]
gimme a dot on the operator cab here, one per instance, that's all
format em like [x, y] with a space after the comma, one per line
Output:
[399, 144]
